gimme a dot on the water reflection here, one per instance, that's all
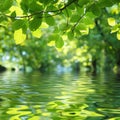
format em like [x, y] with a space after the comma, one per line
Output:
[71, 96]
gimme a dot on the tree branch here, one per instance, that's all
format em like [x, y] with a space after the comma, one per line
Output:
[41, 12]
[87, 9]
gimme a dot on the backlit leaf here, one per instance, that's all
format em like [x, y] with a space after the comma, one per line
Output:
[85, 32]
[37, 33]
[114, 29]
[17, 10]
[111, 21]
[19, 37]
[118, 35]
[59, 42]
[51, 43]
[70, 35]
[44, 25]
[83, 29]
[88, 19]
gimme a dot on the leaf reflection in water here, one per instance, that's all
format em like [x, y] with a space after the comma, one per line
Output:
[54, 110]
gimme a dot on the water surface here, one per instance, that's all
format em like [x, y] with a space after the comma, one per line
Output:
[59, 96]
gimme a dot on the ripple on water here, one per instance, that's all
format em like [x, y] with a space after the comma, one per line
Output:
[59, 96]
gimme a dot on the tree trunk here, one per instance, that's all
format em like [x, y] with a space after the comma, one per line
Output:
[94, 65]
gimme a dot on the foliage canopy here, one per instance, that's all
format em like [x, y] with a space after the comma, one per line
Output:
[57, 21]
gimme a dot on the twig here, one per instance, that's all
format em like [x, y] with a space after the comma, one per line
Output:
[41, 12]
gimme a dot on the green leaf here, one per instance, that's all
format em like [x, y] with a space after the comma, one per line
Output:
[53, 37]
[59, 42]
[37, 33]
[49, 20]
[19, 37]
[51, 43]
[18, 10]
[72, 7]
[63, 26]
[56, 29]
[35, 24]
[115, 28]
[118, 35]
[25, 5]
[87, 20]
[18, 24]
[90, 15]
[83, 28]
[70, 35]
[80, 11]
[82, 2]
[33, 7]
[106, 3]
[111, 21]
[46, 2]
[13, 14]
[74, 18]
[3, 18]
[96, 10]
[5, 4]
[51, 8]
[67, 12]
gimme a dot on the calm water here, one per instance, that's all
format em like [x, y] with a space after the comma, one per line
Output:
[59, 96]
